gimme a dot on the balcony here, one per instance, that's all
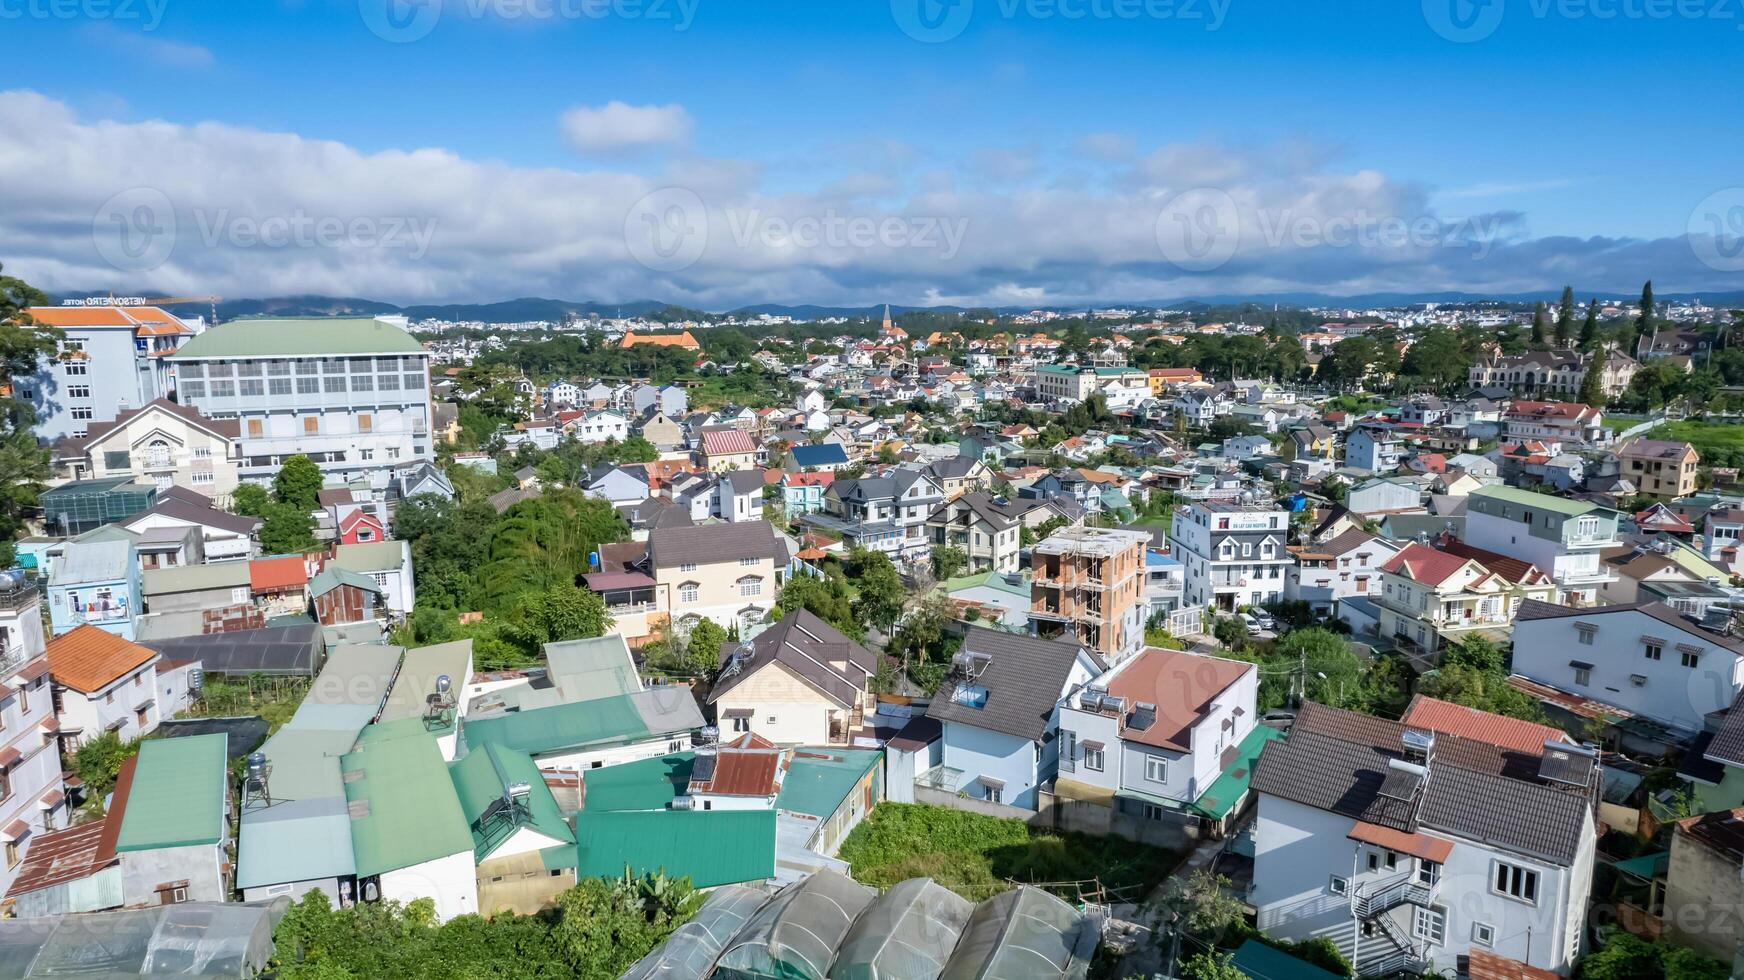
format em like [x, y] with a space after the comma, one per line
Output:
[104, 611]
[19, 596]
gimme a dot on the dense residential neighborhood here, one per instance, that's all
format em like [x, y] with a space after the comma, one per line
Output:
[1417, 667]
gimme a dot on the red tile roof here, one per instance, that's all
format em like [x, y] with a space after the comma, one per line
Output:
[1483, 965]
[1513, 569]
[89, 659]
[726, 442]
[1181, 685]
[1424, 564]
[265, 574]
[1446, 718]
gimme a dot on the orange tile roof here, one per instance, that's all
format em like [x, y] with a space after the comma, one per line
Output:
[277, 573]
[1424, 564]
[1447, 718]
[682, 339]
[146, 320]
[1181, 685]
[1484, 965]
[89, 659]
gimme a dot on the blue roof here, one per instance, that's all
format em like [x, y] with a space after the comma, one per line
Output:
[1262, 962]
[1156, 559]
[826, 454]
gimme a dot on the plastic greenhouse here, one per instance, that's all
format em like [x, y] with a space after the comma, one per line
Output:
[690, 952]
[1024, 934]
[907, 934]
[192, 940]
[795, 936]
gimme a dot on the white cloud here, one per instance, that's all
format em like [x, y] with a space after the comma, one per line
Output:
[150, 49]
[258, 214]
[617, 127]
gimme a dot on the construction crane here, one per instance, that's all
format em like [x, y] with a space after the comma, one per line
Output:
[211, 301]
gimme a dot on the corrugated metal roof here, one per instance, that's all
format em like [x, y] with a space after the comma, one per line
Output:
[93, 561]
[818, 780]
[299, 336]
[711, 847]
[178, 794]
[370, 556]
[646, 784]
[195, 578]
[479, 780]
[411, 813]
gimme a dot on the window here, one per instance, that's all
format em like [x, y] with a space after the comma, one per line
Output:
[311, 425]
[689, 592]
[1430, 925]
[203, 476]
[1585, 634]
[117, 460]
[76, 369]
[193, 389]
[1337, 885]
[78, 391]
[742, 724]
[1156, 770]
[413, 381]
[1516, 882]
[1153, 812]
[1653, 649]
[1428, 872]
[255, 428]
[333, 384]
[363, 383]
[388, 382]
[308, 386]
[1689, 656]
[689, 566]
[750, 585]
[279, 386]
[988, 793]
[250, 388]
[366, 454]
[747, 563]
[1483, 934]
[83, 414]
[1092, 759]
[365, 423]
[12, 854]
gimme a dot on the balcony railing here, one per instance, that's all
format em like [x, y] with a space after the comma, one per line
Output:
[97, 612]
[18, 596]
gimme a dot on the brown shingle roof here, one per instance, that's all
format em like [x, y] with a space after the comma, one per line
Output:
[89, 659]
[707, 544]
[809, 647]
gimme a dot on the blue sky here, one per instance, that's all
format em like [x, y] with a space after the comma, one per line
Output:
[1566, 122]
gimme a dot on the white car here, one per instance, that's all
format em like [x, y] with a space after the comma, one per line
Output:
[1252, 623]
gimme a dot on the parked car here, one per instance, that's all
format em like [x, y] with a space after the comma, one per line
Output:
[1252, 623]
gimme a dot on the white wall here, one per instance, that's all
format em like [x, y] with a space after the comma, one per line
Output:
[614, 755]
[452, 881]
[978, 752]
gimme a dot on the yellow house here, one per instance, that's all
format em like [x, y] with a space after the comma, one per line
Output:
[1432, 598]
[800, 682]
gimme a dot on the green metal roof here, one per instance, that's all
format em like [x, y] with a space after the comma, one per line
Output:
[646, 784]
[370, 556]
[1646, 866]
[579, 723]
[195, 578]
[403, 807]
[177, 798]
[478, 782]
[710, 847]
[332, 577]
[316, 336]
[989, 579]
[1539, 501]
[1262, 962]
[593, 668]
[820, 779]
[1228, 788]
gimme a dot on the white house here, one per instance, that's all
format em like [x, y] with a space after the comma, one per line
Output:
[998, 709]
[1344, 566]
[1646, 658]
[799, 682]
[1375, 448]
[1149, 736]
[601, 426]
[102, 683]
[389, 562]
[32, 799]
[1232, 554]
[1562, 537]
[1410, 848]
[738, 496]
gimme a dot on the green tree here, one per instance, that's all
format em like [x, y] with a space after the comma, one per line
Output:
[98, 762]
[1439, 359]
[948, 562]
[887, 454]
[1212, 965]
[298, 482]
[250, 500]
[561, 612]
[703, 652]
[882, 593]
[1565, 317]
[1480, 689]
[1474, 651]
[828, 598]
[1644, 319]
[24, 464]
[286, 529]
[1589, 335]
[635, 450]
[1540, 325]
[1592, 386]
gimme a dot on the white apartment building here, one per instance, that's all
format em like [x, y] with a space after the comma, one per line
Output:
[111, 359]
[1410, 849]
[1563, 537]
[351, 393]
[164, 444]
[32, 799]
[1645, 657]
[102, 683]
[1342, 567]
[1233, 555]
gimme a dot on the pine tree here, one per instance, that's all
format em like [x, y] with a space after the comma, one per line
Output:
[1540, 326]
[1592, 389]
[1644, 322]
[1589, 337]
[1565, 317]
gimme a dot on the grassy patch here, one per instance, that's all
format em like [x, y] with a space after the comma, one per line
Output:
[1720, 444]
[273, 698]
[978, 856]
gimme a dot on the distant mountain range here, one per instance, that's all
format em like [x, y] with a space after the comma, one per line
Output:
[537, 308]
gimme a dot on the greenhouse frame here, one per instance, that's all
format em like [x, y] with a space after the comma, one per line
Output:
[795, 935]
[690, 952]
[1024, 934]
[907, 934]
[192, 940]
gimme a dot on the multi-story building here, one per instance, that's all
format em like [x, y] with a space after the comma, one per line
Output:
[1557, 424]
[1412, 849]
[988, 529]
[95, 583]
[885, 513]
[164, 444]
[1645, 658]
[1375, 448]
[1065, 382]
[352, 394]
[102, 683]
[1341, 567]
[1088, 585]
[1554, 373]
[721, 572]
[110, 360]
[1147, 738]
[32, 799]
[1562, 537]
[1431, 599]
[1233, 554]
[1659, 468]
